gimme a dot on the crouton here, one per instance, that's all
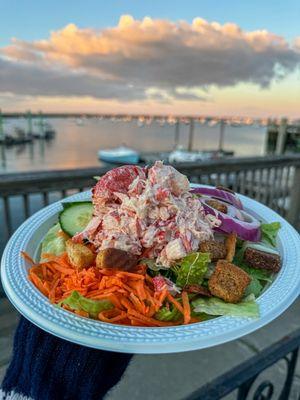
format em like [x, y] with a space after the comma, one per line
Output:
[201, 290]
[79, 255]
[230, 244]
[263, 260]
[217, 205]
[116, 258]
[228, 282]
[217, 250]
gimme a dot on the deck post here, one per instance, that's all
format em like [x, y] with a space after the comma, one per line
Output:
[281, 137]
[293, 215]
[191, 135]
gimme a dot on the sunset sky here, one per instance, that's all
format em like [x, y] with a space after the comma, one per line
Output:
[192, 57]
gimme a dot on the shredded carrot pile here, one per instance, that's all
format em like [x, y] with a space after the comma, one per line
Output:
[132, 293]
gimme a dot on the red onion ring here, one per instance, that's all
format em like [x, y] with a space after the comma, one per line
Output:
[246, 229]
[228, 197]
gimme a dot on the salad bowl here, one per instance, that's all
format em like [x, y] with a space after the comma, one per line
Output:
[274, 300]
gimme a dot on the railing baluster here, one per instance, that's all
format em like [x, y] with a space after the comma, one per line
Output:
[46, 198]
[280, 199]
[242, 181]
[251, 181]
[224, 179]
[234, 181]
[26, 205]
[259, 184]
[7, 215]
[265, 197]
[286, 191]
[210, 179]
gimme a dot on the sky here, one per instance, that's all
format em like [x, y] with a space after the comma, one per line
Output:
[212, 57]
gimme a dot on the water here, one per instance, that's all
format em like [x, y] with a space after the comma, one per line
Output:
[76, 146]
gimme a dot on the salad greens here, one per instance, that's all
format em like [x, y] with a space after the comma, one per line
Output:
[168, 314]
[215, 306]
[259, 274]
[192, 269]
[254, 287]
[269, 232]
[80, 303]
[52, 243]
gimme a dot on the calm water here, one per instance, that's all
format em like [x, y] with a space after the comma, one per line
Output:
[77, 146]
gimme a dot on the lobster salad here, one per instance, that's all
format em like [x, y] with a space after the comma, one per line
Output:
[149, 250]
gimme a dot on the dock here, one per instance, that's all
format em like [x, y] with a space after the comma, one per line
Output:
[282, 137]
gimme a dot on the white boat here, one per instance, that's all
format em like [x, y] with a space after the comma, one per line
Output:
[119, 155]
[180, 155]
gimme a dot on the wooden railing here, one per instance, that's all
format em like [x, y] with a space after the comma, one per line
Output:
[275, 181]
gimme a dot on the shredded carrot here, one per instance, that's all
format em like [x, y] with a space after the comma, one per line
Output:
[175, 302]
[186, 308]
[82, 313]
[27, 257]
[132, 293]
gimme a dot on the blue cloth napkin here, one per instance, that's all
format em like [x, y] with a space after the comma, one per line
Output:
[44, 367]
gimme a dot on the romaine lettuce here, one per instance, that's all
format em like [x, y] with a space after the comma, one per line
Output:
[260, 274]
[80, 303]
[165, 314]
[215, 306]
[254, 287]
[269, 232]
[192, 269]
[52, 243]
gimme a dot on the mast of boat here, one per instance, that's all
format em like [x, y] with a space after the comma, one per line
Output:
[29, 123]
[191, 135]
[177, 133]
[221, 137]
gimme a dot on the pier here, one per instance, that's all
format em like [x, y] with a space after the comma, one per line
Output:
[282, 137]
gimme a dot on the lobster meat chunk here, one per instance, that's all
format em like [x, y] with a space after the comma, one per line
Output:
[118, 180]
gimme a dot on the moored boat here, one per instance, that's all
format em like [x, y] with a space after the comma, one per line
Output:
[119, 155]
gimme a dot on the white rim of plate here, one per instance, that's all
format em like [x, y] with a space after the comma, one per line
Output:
[66, 325]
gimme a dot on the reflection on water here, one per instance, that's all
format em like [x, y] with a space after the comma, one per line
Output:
[77, 146]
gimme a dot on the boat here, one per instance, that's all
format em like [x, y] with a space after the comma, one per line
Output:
[119, 155]
[49, 131]
[79, 121]
[180, 155]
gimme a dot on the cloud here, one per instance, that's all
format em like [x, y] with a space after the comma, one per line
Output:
[27, 79]
[126, 61]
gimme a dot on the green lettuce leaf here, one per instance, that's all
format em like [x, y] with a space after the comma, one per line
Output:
[202, 316]
[254, 287]
[165, 314]
[53, 244]
[260, 274]
[80, 303]
[192, 269]
[269, 232]
[215, 306]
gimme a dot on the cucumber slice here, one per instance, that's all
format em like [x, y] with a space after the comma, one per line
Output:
[75, 216]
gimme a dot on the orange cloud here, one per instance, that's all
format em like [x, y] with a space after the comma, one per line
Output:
[149, 58]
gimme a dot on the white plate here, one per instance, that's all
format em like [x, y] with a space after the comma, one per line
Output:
[35, 307]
